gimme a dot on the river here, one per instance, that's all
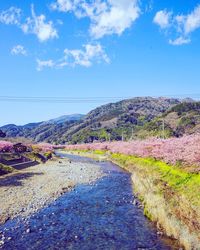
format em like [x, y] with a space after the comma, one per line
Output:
[102, 215]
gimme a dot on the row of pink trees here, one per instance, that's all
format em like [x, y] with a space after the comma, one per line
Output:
[43, 147]
[6, 146]
[185, 149]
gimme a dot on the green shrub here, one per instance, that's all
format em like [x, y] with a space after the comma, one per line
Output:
[5, 169]
[48, 155]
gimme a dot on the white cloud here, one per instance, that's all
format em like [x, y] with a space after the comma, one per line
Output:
[183, 25]
[115, 19]
[86, 57]
[192, 21]
[62, 5]
[107, 17]
[10, 16]
[44, 64]
[18, 50]
[37, 25]
[162, 18]
[44, 30]
[179, 41]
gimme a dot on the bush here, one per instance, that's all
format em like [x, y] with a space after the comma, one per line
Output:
[5, 169]
[48, 155]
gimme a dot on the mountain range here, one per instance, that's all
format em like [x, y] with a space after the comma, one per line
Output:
[42, 131]
[139, 117]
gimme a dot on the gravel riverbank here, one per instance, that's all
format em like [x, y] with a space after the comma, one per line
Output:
[25, 192]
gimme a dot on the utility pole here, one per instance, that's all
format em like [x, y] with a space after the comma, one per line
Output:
[163, 128]
[131, 137]
[122, 135]
[109, 137]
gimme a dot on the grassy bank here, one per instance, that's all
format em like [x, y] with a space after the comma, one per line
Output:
[5, 169]
[171, 195]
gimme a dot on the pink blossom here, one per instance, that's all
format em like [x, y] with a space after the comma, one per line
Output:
[5, 146]
[185, 149]
[44, 147]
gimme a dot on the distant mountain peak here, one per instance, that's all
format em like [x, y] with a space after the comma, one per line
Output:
[138, 117]
[65, 118]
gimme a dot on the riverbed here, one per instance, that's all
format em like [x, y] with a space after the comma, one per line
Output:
[100, 214]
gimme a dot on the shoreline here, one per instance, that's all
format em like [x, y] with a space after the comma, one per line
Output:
[23, 193]
[171, 210]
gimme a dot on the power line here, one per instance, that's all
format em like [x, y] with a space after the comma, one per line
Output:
[65, 97]
[60, 99]
[101, 99]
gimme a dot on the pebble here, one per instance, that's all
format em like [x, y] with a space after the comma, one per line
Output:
[1, 242]
[40, 190]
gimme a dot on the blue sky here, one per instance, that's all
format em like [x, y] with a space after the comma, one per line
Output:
[99, 48]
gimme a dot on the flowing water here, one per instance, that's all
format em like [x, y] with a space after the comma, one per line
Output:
[101, 215]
